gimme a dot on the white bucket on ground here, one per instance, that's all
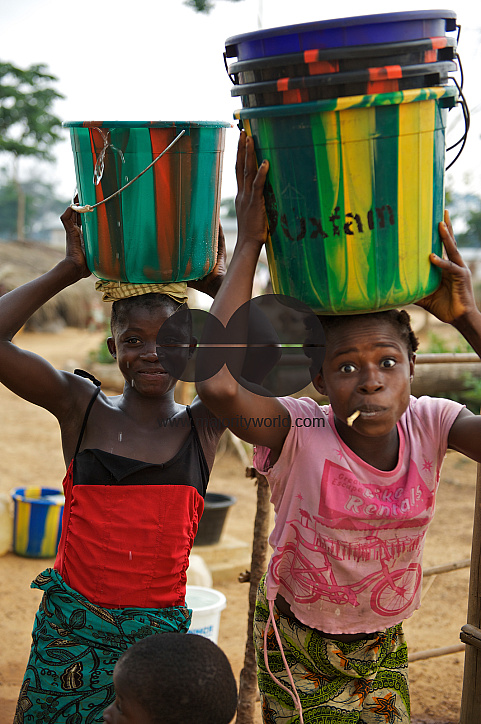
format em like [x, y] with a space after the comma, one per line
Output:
[207, 605]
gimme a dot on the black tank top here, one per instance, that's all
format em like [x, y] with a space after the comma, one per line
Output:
[98, 467]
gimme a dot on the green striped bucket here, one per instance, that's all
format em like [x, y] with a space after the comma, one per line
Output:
[354, 195]
[164, 226]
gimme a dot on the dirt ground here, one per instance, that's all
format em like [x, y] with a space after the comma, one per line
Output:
[30, 454]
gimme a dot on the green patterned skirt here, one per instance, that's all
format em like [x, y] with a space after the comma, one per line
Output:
[75, 646]
[360, 682]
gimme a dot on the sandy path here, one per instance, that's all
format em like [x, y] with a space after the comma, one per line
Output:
[30, 452]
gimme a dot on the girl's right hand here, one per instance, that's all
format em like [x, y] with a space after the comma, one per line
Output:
[249, 203]
[74, 242]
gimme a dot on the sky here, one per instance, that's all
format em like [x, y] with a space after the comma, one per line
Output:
[143, 60]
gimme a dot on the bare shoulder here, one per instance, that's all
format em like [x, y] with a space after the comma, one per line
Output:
[77, 395]
[205, 420]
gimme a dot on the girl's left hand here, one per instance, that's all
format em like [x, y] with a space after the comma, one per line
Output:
[454, 298]
[249, 202]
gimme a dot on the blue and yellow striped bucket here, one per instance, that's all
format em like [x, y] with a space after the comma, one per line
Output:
[354, 195]
[37, 521]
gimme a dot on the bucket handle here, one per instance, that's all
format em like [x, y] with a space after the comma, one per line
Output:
[88, 207]
[463, 104]
[232, 77]
[467, 122]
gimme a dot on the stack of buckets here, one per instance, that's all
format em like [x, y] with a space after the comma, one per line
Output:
[351, 115]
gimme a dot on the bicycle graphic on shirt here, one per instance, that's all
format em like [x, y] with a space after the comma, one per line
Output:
[392, 591]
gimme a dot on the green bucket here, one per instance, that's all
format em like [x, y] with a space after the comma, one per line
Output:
[354, 195]
[164, 226]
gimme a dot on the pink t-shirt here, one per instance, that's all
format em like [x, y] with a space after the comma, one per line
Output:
[348, 538]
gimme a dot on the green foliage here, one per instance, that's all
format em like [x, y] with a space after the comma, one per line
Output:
[102, 354]
[202, 6]
[27, 125]
[471, 394]
[472, 236]
[228, 208]
[438, 345]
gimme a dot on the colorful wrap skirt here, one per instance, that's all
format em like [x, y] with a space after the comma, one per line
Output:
[75, 646]
[359, 682]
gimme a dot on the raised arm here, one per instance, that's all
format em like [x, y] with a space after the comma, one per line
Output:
[453, 302]
[23, 372]
[222, 393]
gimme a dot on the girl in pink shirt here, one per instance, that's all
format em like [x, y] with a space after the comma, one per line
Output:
[353, 486]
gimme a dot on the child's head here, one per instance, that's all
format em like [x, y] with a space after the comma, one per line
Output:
[150, 328]
[368, 368]
[173, 678]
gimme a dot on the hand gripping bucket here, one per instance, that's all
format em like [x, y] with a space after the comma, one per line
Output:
[162, 227]
[37, 521]
[207, 605]
[354, 195]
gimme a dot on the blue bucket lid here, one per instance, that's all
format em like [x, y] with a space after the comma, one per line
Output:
[337, 32]
[447, 95]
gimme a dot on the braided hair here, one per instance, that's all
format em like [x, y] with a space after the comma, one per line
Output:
[398, 318]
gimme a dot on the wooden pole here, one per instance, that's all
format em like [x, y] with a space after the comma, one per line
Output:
[471, 697]
[248, 675]
[445, 568]
[432, 653]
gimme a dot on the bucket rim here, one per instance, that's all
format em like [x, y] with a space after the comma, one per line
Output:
[350, 52]
[339, 104]
[353, 21]
[364, 75]
[219, 605]
[147, 124]
[219, 500]
[16, 494]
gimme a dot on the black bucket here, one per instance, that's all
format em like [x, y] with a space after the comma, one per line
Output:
[335, 85]
[211, 524]
[313, 62]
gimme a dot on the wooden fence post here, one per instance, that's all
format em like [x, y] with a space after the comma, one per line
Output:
[248, 675]
[471, 697]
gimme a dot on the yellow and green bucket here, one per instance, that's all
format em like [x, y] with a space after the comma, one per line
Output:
[37, 521]
[354, 195]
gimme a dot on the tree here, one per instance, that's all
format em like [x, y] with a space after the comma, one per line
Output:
[202, 6]
[41, 205]
[27, 126]
[472, 236]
